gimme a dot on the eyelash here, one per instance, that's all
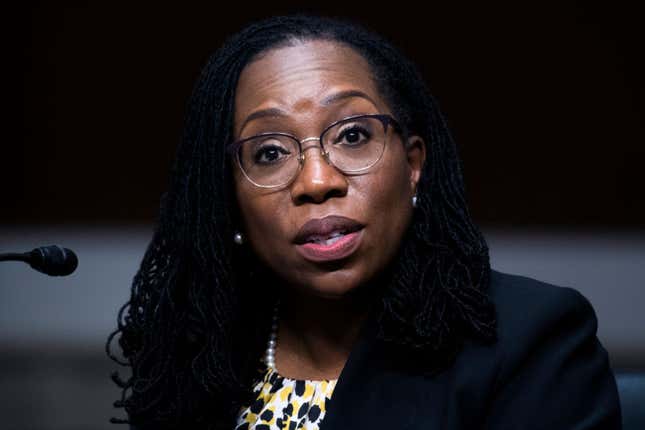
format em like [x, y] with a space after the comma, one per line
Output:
[352, 128]
[262, 151]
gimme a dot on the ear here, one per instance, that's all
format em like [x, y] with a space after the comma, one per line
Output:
[416, 155]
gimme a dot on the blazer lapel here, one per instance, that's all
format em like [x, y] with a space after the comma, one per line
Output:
[372, 393]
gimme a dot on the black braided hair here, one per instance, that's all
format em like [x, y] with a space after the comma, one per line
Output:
[194, 328]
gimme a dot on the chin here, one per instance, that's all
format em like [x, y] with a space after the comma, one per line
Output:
[333, 285]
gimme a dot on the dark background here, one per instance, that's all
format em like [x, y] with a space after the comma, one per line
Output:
[545, 101]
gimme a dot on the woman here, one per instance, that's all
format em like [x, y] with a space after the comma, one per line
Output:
[314, 264]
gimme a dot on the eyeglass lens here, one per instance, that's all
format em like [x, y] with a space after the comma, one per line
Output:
[352, 145]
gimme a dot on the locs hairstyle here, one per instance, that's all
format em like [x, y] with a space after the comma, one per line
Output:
[194, 328]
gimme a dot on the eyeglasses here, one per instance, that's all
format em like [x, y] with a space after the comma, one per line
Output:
[352, 145]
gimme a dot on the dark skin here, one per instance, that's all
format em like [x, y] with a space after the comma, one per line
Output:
[321, 315]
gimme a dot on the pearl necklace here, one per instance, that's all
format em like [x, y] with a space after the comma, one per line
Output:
[269, 355]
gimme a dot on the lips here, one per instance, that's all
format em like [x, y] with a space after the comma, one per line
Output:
[329, 239]
[325, 229]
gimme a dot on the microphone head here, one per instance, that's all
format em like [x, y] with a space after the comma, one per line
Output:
[53, 260]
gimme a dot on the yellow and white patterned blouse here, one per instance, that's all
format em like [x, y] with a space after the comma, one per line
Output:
[286, 404]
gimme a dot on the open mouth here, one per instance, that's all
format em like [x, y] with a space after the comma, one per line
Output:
[328, 240]
[334, 246]
[326, 232]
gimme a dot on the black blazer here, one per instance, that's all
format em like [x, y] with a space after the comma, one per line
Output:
[546, 371]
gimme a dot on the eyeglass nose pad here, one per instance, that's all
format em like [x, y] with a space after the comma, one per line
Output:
[325, 154]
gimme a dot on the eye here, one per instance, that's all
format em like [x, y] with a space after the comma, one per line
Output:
[270, 153]
[353, 135]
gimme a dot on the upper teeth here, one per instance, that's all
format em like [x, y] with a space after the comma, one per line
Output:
[328, 239]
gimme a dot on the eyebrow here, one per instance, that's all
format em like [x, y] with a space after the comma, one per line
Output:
[330, 99]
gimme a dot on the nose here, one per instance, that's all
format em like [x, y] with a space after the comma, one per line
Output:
[318, 179]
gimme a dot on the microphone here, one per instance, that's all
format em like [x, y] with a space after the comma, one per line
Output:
[51, 260]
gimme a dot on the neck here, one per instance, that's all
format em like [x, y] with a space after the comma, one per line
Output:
[316, 334]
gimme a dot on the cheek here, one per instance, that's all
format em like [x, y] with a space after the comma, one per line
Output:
[389, 187]
[389, 206]
[265, 221]
[258, 211]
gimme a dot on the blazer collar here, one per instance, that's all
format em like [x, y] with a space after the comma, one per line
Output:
[347, 395]
[372, 392]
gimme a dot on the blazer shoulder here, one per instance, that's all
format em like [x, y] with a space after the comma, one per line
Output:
[523, 303]
[547, 341]
[534, 315]
[508, 286]
[530, 312]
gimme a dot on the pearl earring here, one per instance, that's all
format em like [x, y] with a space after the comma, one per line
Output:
[414, 201]
[238, 238]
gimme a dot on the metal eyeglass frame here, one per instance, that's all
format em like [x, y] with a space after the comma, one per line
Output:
[385, 119]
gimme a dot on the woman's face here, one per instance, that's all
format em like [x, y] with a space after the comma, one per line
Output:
[296, 80]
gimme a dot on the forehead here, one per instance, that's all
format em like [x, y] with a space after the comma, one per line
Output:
[296, 79]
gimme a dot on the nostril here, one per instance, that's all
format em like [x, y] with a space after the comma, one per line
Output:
[334, 193]
[312, 198]
[305, 198]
